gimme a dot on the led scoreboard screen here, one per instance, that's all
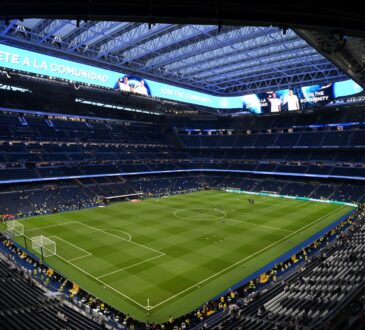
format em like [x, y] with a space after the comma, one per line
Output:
[270, 102]
[300, 98]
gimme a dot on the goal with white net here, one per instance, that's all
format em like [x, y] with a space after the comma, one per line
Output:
[269, 192]
[44, 246]
[109, 199]
[14, 228]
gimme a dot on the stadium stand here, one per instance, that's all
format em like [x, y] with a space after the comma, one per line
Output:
[22, 200]
[310, 298]
[68, 145]
[82, 147]
[24, 304]
[89, 159]
[281, 150]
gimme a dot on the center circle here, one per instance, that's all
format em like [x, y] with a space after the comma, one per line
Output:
[200, 214]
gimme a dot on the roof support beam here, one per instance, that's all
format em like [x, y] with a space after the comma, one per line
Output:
[295, 80]
[249, 58]
[99, 29]
[279, 84]
[197, 49]
[248, 49]
[167, 43]
[84, 26]
[339, 50]
[9, 27]
[131, 38]
[282, 63]
[51, 29]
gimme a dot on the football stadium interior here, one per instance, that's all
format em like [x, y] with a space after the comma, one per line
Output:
[198, 165]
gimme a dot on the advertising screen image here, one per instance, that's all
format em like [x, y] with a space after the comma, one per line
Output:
[274, 101]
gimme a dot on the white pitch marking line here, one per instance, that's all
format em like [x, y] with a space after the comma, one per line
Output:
[213, 217]
[221, 218]
[257, 224]
[224, 214]
[136, 264]
[176, 295]
[301, 204]
[103, 283]
[77, 258]
[59, 224]
[96, 279]
[88, 254]
[240, 261]
[121, 231]
[144, 246]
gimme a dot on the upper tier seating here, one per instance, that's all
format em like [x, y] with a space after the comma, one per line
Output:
[36, 147]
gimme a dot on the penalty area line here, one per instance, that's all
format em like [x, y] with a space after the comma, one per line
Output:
[133, 265]
[120, 231]
[124, 239]
[42, 227]
[259, 225]
[244, 259]
[77, 247]
[103, 283]
[77, 258]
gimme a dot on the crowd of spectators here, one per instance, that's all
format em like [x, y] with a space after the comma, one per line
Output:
[22, 200]
[71, 147]
[6, 216]
[318, 253]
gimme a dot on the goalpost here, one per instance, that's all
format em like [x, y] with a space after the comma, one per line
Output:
[109, 199]
[269, 192]
[44, 246]
[14, 228]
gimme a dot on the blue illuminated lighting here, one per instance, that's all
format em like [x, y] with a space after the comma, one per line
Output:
[184, 171]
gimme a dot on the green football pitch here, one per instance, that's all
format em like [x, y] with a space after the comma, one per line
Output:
[167, 256]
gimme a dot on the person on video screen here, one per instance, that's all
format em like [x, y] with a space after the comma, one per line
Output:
[141, 88]
[274, 102]
[123, 85]
[292, 100]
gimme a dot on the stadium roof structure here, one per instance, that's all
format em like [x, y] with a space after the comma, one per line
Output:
[221, 47]
[219, 60]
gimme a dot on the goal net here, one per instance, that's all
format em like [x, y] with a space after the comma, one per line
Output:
[269, 192]
[14, 228]
[43, 245]
[110, 199]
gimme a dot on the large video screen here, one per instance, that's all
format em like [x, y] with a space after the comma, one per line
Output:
[270, 102]
[300, 98]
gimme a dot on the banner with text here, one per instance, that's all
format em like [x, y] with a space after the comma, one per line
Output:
[272, 101]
